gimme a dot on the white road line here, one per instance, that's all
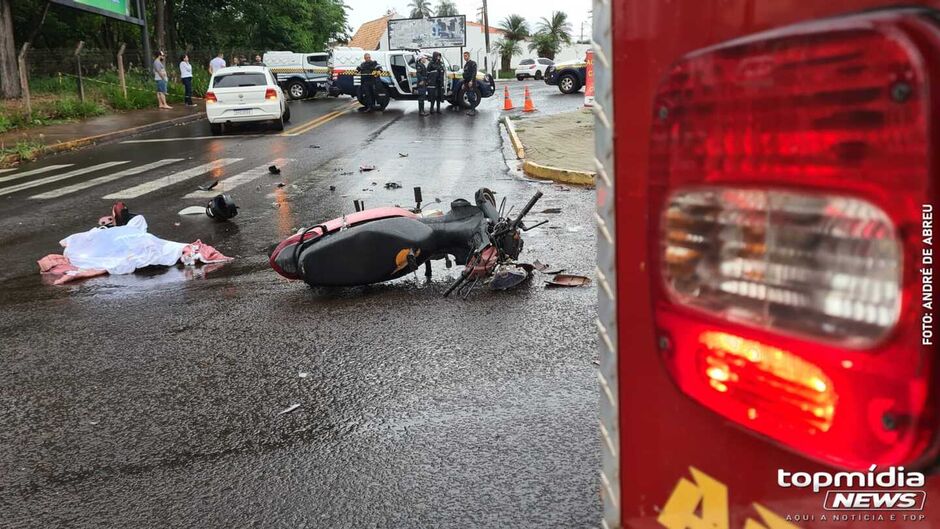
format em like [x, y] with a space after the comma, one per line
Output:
[165, 181]
[227, 184]
[7, 170]
[41, 170]
[55, 193]
[195, 138]
[56, 178]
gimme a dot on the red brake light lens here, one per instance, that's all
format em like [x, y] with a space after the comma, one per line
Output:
[270, 94]
[788, 170]
[210, 98]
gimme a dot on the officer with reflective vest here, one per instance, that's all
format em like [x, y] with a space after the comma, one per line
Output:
[436, 73]
[421, 69]
[469, 82]
[367, 72]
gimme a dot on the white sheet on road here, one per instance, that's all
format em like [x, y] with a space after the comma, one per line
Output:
[121, 249]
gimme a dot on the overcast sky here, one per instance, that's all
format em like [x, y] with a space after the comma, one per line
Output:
[363, 10]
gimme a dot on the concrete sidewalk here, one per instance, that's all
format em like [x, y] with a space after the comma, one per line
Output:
[67, 136]
[556, 147]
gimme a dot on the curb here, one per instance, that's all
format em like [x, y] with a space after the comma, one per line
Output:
[106, 137]
[545, 172]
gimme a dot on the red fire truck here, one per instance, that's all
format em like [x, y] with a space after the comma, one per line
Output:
[766, 183]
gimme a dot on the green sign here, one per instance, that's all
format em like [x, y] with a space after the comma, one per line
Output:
[118, 7]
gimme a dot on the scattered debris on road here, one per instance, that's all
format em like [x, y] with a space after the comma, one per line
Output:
[365, 168]
[289, 409]
[313, 146]
[568, 280]
[280, 184]
[392, 185]
[540, 266]
[303, 374]
[403, 154]
[192, 210]
[274, 169]
[332, 188]
[551, 210]
[210, 186]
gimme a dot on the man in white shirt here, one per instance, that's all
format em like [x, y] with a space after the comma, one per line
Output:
[216, 64]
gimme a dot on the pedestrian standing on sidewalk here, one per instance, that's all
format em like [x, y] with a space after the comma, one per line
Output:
[217, 63]
[436, 75]
[159, 75]
[421, 67]
[186, 75]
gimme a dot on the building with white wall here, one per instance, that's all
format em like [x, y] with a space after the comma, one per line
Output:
[373, 35]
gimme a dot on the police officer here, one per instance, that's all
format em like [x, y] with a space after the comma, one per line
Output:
[367, 71]
[470, 81]
[436, 81]
[422, 78]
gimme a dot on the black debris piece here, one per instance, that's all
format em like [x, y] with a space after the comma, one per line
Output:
[209, 186]
[392, 185]
[274, 169]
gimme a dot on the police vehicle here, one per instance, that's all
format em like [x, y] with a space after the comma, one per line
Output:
[300, 75]
[398, 78]
[569, 76]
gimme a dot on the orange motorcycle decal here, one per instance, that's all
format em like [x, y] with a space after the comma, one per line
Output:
[702, 503]
[401, 259]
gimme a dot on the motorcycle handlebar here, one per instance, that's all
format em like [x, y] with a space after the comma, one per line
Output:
[535, 198]
[455, 284]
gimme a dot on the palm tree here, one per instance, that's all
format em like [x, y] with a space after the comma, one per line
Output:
[544, 45]
[446, 8]
[420, 8]
[551, 33]
[514, 28]
[506, 48]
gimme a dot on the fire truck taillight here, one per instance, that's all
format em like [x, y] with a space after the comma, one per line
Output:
[787, 175]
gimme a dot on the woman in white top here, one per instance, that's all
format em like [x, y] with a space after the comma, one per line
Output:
[186, 75]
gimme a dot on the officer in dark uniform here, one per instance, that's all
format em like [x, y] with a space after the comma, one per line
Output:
[436, 72]
[367, 71]
[422, 78]
[470, 81]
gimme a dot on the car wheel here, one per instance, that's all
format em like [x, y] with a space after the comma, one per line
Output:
[469, 99]
[520, 77]
[279, 123]
[215, 128]
[538, 76]
[286, 113]
[568, 83]
[297, 89]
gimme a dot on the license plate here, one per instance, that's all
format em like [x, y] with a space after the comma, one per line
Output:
[242, 111]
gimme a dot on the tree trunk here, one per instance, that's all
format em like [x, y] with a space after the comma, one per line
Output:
[160, 24]
[9, 73]
[504, 66]
[171, 36]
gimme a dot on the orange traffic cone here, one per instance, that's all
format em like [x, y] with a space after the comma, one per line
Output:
[507, 102]
[528, 106]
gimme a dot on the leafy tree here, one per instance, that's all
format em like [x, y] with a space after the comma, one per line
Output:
[420, 8]
[551, 34]
[446, 8]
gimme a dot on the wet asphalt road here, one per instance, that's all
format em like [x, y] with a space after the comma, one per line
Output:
[152, 399]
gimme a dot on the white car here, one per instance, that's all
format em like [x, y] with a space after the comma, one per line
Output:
[534, 68]
[238, 94]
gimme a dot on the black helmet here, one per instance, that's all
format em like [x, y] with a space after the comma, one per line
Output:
[221, 208]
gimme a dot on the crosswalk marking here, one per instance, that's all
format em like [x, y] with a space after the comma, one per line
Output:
[56, 178]
[175, 178]
[227, 184]
[7, 170]
[55, 193]
[41, 170]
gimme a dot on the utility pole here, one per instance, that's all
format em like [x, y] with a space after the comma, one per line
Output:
[486, 38]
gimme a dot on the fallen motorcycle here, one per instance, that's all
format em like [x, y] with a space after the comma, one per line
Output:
[381, 244]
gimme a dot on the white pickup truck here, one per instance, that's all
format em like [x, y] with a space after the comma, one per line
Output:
[300, 75]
